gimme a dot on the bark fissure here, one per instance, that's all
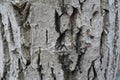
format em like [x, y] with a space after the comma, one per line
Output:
[60, 41]
[94, 15]
[40, 67]
[78, 41]
[81, 3]
[40, 72]
[92, 69]
[57, 22]
[106, 70]
[53, 74]
[10, 31]
[104, 38]
[46, 36]
[5, 52]
[20, 73]
[23, 10]
[116, 40]
[77, 67]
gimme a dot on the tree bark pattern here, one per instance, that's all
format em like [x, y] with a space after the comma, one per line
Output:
[59, 39]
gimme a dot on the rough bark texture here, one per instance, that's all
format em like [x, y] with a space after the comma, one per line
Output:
[59, 39]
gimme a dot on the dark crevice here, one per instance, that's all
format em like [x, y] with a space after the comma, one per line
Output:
[91, 21]
[26, 53]
[11, 31]
[7, 62]
[18, 15]
[79, 50]
[106, 14]
[104, 32]
[106, 68]
[19, 7]
[6, 72]
[22, 12]
[93, 16]
[20, 74]
[46, 36]
[75, 11]
[92, 37]
[105, 74]
[67, 75]
[60, 41]
[26, 27]
[89, 72]
[104, 38]
[78, 40]
[78, 64]
[79, 60]
[116, 38]
[104, 35]
[57, 22]
[5, 51]
[28, 62]
[39, 66]
[15, 51]
[26, 12]
[40, 72]
[93, 6]
[95, 73]
[81, 4]
[39, 52]
[63, 7]
[26, 45]
[92, 67]
[72, 24]
[101, 45]
[53, 74]
[72, 19]
[65, 61]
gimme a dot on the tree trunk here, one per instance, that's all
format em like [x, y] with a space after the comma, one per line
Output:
[59, 39]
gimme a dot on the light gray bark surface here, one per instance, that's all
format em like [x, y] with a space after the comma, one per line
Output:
[59, 39]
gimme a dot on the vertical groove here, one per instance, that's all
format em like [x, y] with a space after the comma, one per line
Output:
[10, 31]
[57, 22]
[53, 74]
[116, 41]
[104, 38]
[21, 72]
[46, 36]
[5, 52]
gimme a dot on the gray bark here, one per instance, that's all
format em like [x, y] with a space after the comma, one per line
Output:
[59, 39]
